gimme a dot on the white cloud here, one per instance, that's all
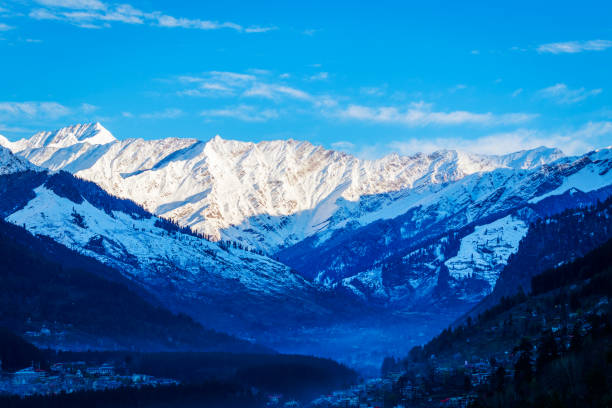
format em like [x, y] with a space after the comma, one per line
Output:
[561, 94]
[372, 90]
[458, 87]
[572, 142]
[256, 29]
[217, 84]
[572, 47]
[517, 92]
[170, 113]
[257, 84]
[43, 14]
[262, 85]
[211, 86]
[15, 129]
[88, 108]
[275, 91]
[31, 110]
[244, 113]
[5, 27]
[98, 14]
[321, 76]
[311, 31]
[74, 4]
[343, 145]
[421, 114]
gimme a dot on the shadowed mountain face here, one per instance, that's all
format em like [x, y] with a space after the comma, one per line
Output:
[73, 301]
[553, 241]
[222, 286]
[454, 248]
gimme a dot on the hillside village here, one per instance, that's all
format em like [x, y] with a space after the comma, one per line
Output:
[566, 317]
[69, 377]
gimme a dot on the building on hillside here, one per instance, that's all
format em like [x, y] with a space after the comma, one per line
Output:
[28, 375]
[103, 370]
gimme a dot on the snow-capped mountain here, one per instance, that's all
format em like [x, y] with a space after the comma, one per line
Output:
[9, 163]
[268, 195]
[220, 285]
[453, 242]
[357, 238]
[299, 198]
[93, 133]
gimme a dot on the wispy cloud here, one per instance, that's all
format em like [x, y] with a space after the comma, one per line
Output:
[170, 113]
[517, 92]
[31, 110]
[15, 129]
[422, 114]
[98, 14]
[267, 87]
[561, 94]
[343, 145]
[256, 29]
[257, 84]
[572, 141]
[5, 27]
[275, 91]
[573, 47]
[458, 87]
[321, 76]
[88, 108]
[74, 4]
[244, 113]
[311, 31]
[373, 90]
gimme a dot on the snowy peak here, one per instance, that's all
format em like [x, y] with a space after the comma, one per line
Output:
[90, 133]
[9, 163]
[530, 159]
[4, 142]
[267, 194]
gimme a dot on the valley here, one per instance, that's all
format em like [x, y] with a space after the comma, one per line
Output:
[355, 271]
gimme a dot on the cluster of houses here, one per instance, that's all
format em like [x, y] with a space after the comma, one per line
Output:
[70, 377]
[365, 395]
[278, 401]
[410, 393]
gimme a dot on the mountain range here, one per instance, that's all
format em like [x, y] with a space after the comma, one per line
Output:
[284, 236]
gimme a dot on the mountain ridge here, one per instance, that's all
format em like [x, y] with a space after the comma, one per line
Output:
[267, 195]
[409, 242]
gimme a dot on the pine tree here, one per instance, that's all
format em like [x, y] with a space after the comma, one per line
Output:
[523, 367]
[547, 350]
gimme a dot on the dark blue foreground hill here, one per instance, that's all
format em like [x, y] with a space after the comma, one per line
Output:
[46, 285]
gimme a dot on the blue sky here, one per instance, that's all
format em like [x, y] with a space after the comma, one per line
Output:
[369, 78]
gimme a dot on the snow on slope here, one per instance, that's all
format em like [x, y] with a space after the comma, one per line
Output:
[269, 194]
[484, 253]
[143, 250]
[369, 281]
[92, 133]
[587, 179]
[9, 163]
